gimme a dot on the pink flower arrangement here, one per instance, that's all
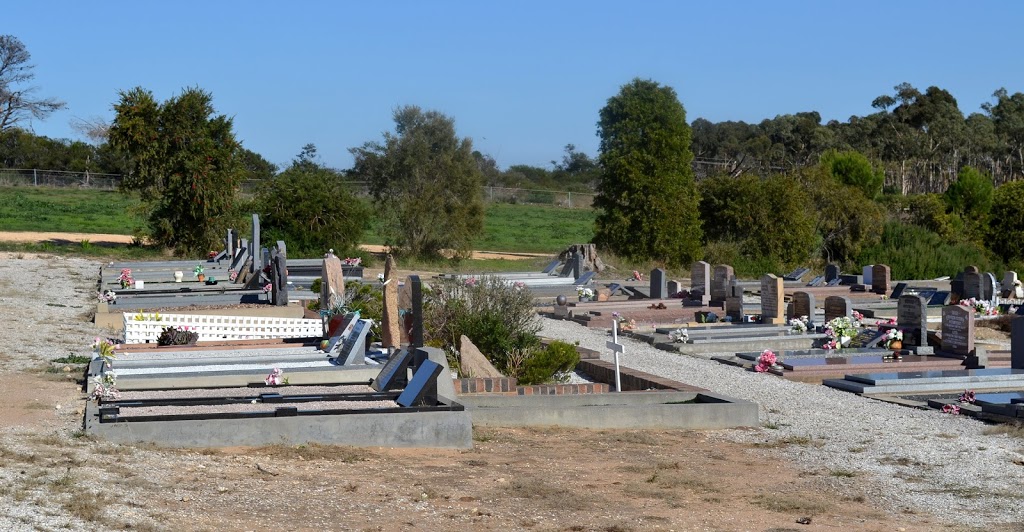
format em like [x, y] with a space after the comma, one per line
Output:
[232, 275]
[267, 288]
[519, 285]
[951, 409]
[765, 361]
[275, 378]
[125, 279]
[857, 316]
[831, 344]
[471, 281]
[637, 276]
[352, 261]
[967, 396]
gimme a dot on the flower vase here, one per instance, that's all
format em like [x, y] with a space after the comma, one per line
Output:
[201, 277]
[895, 345]
[178, 276]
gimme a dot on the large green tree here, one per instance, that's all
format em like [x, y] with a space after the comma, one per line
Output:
[309, 207]
[1006, 229]
[426, 184]
[183, 160]
[646, 198]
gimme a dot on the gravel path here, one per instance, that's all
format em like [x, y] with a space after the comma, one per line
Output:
[918, 459]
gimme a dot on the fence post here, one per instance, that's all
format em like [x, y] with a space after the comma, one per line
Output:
[569, 200]
[35, 177]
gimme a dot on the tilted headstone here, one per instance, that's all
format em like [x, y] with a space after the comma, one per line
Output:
[988, 287]
[940, 298]
[972, 285]
[1017, 343]
[254, 246]
[340, 337]
[868, 272]
[957, 329]
[551, 266]
[831, 272]
[614, 289]
[422, 389]
[332, 282]
[720, 282]
[584, 279]
[837, 307]
[803, 305]
[395, 373]
[1009, 282]
[659, 284]
[353, 350]
[912, 318]
[898, 290]
[566, 269]
[391, 329]
[278, 278]
[880, 279]
[674, 287]
[772, 304]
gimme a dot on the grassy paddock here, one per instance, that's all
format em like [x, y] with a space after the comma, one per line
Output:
[66, 209]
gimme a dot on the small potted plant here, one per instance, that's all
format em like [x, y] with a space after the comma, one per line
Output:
[198, 272]
[893, 339]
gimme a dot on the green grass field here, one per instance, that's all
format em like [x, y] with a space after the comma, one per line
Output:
[507, 227]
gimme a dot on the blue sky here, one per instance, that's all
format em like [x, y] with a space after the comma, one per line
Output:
[522, 78]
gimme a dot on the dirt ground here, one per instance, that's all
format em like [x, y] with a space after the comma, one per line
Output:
[54, 477]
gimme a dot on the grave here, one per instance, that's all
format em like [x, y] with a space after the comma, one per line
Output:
[989, 289]
[837, 307]
[772, 305]
[1009, 284]
[700, 282]
[897, 291]
[912, 319]
[797, 274]
[973, 287]
[831, 272]
[394, 374]
[868, 274]
[940, 298]
[674, 287]
[659, 284]
[880, 279]
[804, 305]
[391, 329]
[723, 275]
[958, 330]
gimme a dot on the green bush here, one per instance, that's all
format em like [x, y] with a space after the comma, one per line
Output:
[916, 253]
[853, 169]
[544, 365]
[1006, 226]
[495, 315]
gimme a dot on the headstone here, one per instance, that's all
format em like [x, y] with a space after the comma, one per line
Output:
[1017, 343]
[1008, 284]
[416, 327]
[353, 349]
[394, 374]
[422, 389]
[734, 289]
[988, 287]
[566, 268]
[817, 281]
[229, 244]
[837, 307]
[720, 282]
[700, 278]
[880, 280]
[803, 305]
[278, 278]
[971, 269]
[254, 246]
[834, 282]
[734, 309]
[282, 247]
[332, 283]
[659, 284]
[674, 287]
[898, 290]
[972, 285]
[912, 317]
[957, 330]
[338, 338]
[868, 272]
[866, 338]
[577, 265]
[956, 288]
[551, 266]
[391, 329]
[941, 298]
[614, 288]
[473, 363]
[831, 272]
[584, 279]
[850, 279]
[772, 305]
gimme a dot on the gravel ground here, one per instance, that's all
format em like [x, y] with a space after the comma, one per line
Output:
[918, 459]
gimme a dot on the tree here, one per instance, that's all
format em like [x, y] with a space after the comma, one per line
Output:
[255, 166]
[16, 101]
[971, 194]
[426, 184]
[310, 208]
[1006, 228]
[183, 160]
[853, 169]
[646, 198]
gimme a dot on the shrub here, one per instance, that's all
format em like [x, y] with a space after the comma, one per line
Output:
[550, 363]
[853, 169]
[490, 311]
[916, 253]
[1006, 228]
[177, 336]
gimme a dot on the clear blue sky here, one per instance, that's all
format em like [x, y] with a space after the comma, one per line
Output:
[522, 78]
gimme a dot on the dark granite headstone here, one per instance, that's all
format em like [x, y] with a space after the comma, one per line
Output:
[837, 307]
[817, 281]
[339, 337]
[353, 350]
[416, 329]
[734, 309]
[254, 246]
[940, 298]
[674, 287]
[1017, 343]
[422, 389]
[848, 279]
[394, 374]
[957, 329]
[834, 282]
[972, 285]
[659, 284]
[584, 279]
[912, 317]
[803, 305]
[772, 304]
[866, 338]
[898, 290]
[880, 279]
[577, 265]
[566, 269]
[700, 278]
[956, 288]
[614, 288]
[551, 266]
[831, 272]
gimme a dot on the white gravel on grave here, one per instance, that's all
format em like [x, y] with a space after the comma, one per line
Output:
[916, 459]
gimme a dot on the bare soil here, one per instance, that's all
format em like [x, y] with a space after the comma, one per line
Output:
[53, 477]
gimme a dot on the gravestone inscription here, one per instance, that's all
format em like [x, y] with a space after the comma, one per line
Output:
[394, 374]
[837, 307]
[912, 318]
[803, 305]
[957, 329]
[772, 304]
[880, 279]
[720, 282]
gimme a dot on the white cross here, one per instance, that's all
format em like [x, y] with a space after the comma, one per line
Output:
[616, 348]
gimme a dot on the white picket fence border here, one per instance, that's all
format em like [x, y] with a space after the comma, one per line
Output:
[221, 327]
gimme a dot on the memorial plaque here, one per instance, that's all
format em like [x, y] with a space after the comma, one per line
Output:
[831, 272]
[422, 389]
[837, 307]
[550, 268]
[335, 340]
[940, 298]
[700, 278]
[866, 338]
[880, 281]
[394, 374]
[803, 305]
[912, 317]
[898, 290]
[353, 350]
[720, 282]
[772, 305]
[659, 284]
[957, 330]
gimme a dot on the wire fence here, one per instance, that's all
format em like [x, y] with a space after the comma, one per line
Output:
[62, 179]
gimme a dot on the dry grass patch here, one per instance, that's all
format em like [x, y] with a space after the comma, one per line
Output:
[1013, 430]
[784, 503]
[87, 506]
[313, 451]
